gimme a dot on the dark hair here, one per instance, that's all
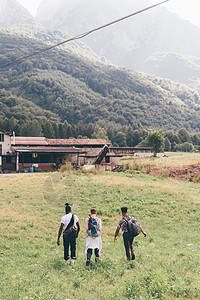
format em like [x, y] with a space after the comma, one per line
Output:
[93, 211]
[124, 209]
[67, 208]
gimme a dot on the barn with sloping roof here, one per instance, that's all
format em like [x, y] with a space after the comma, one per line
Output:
[49, 154]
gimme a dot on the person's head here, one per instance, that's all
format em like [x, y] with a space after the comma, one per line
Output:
[124, 210]
[93, 211]
[67, 208]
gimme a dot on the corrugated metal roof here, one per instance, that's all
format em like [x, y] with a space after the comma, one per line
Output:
[130, 148]
[78, 142]
[47, 149]
[24, 141]
[42, 141]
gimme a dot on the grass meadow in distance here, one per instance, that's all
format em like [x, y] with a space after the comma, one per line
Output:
[177, 160]
[167, 260]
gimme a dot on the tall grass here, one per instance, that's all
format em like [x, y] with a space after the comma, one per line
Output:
[172, 159]
[178, 162]
[167, 260]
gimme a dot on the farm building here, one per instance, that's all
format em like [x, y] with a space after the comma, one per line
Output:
[46, 154]
[5, 148]
[132, 151]
[22, 153]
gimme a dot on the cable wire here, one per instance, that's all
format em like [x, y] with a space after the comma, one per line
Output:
[82, 35]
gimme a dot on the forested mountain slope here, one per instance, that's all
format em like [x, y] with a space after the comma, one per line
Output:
[75, 89]
[19, 108]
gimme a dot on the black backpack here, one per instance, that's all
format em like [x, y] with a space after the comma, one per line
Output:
[70, 230]
[133, 226]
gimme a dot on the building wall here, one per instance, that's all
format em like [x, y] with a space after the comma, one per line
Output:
[91, 154]
[72, 158]
[0, 163]
[143, 153]
[115, 161]
[6, 145]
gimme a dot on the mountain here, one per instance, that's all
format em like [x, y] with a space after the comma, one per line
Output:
[180, 68]
[12, 13]
[19, 108]
[79, 90]
[155, 42]
[133, 42]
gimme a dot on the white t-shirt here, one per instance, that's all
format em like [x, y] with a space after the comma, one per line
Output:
[67, 218]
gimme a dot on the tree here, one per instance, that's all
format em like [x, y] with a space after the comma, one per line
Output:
[184, 135]
[100, 134]
[120, 139]
[172, 136]
[31, 128]
[48, 129]
[155, 139]
[195, 139]
[185, 147]
[167, 144]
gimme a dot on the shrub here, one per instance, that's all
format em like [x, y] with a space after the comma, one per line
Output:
[67, 167]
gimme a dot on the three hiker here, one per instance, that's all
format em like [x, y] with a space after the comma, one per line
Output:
[128, 235]
[70, 224]
[70, 227]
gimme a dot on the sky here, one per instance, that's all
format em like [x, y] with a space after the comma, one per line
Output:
[186, 9]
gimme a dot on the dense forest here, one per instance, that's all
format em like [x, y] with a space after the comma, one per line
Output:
[28, 119]
[61, 94]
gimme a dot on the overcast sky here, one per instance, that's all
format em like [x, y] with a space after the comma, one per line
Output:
[187, 9]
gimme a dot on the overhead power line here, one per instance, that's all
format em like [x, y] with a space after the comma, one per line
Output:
[82, 35]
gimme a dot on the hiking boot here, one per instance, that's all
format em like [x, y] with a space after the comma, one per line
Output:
[67, 262]
[133, 256]
[87, 265]
[97, 259]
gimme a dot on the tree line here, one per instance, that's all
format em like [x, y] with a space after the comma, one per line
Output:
[116, 134]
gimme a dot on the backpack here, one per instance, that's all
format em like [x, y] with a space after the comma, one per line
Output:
[93, 229]
[70, 230]
[133, 227]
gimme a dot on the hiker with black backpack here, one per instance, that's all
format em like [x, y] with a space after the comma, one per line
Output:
[93, 237]
[70, 227]
[130, 229]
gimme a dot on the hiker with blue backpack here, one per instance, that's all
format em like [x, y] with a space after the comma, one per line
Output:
[93, 237]
[130, 229]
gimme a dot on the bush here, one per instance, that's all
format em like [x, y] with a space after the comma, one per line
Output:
[67, 167]
[185, 147]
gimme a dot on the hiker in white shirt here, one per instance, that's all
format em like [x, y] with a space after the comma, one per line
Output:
[69, 220]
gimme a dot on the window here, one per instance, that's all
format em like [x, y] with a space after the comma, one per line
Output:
[107, 159]
[8, 159]
[1, 137]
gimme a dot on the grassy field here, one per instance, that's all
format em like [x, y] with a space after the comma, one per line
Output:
[167, 264]
[177, 160]
[172, 159]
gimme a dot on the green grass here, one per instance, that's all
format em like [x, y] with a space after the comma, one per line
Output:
[181, 163]
[167, 260]
[172, 159]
